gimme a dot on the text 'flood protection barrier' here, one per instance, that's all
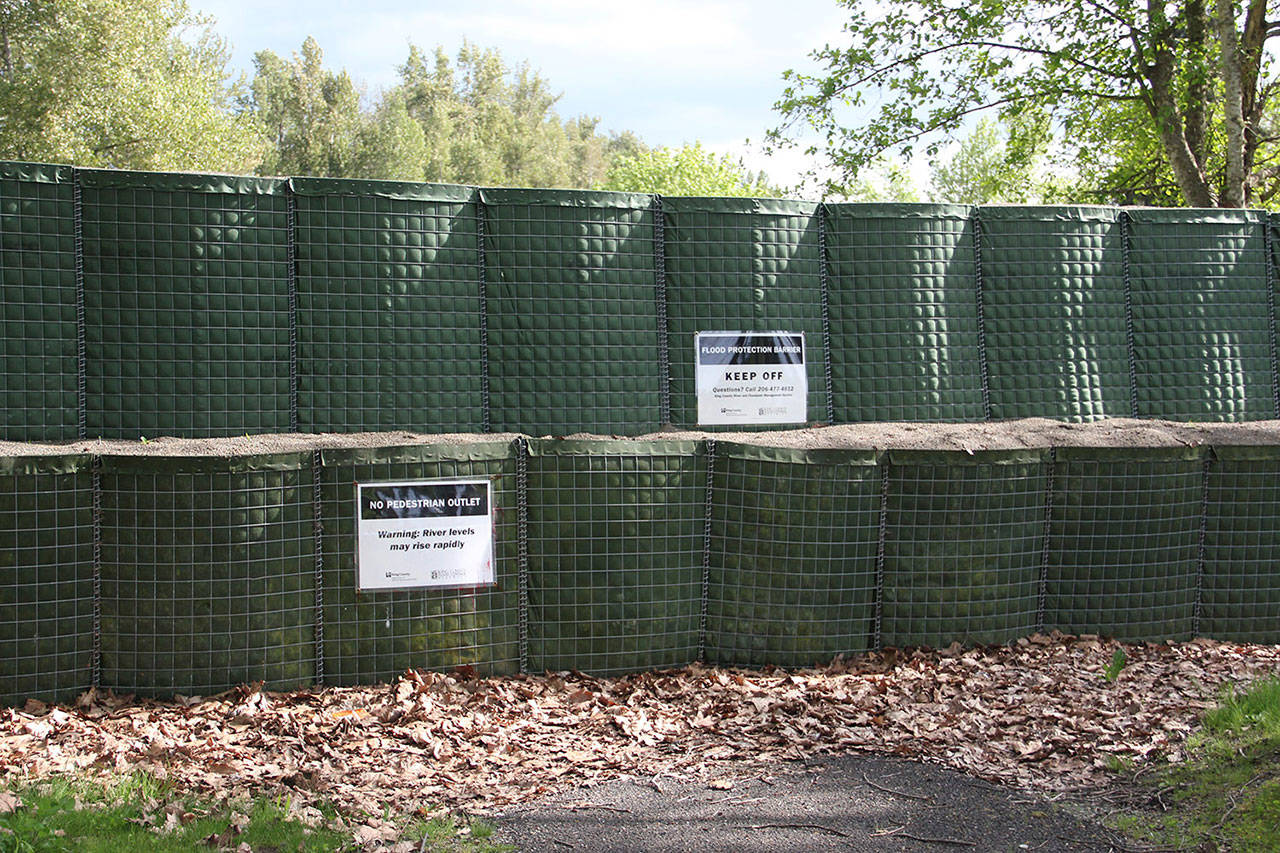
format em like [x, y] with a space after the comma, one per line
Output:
[192, 574]
[166, 304]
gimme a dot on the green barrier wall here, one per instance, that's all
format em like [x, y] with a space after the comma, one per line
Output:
[193, 574]
[46, 577]
[615, 554]
[371, 637]
[1123, 552]
[1202, 330]
[572, 311]
[741, 265]
[197, 305]
[1240, 596]
[187, 309]
[904, 317]
[389, 305]
[792, 555]
[1054, 302]
[963, 547]
[206, 572]
[38, 298]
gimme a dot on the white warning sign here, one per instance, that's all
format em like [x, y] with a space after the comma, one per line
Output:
[423, 534]
[751, 378]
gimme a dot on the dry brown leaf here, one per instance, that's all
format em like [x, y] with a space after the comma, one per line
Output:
[1034, 713]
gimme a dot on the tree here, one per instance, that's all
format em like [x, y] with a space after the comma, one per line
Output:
[490, 125]
[881, 181]
[131, 84]
[997, 163]
[312, 115]
[1195, 79]
[687, 171]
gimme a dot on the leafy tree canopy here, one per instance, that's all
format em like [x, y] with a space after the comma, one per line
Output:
[998, 163]
[689, 170]
[136, 84]
[1188, 82]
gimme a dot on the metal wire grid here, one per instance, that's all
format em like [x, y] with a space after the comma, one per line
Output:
[963, 548]
[207, 579]
[615, 558]
[904, 325]
[1200, 312]
[46, 581]
[793, 557]
[389, 314]
[733, 267]
[1240, 598]
[1055, 319]
[375, 636]
[1124, 543]
[208, 576]
[38, 349]
[572, 321]
[187, 312]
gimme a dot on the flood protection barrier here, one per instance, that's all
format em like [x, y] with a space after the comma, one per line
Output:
[191, 574]
[140, 304]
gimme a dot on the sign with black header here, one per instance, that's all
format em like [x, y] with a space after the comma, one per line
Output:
[751, 378]
[423, 534]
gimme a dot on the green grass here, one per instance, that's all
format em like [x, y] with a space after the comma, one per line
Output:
[130, 815]
[1226, 796]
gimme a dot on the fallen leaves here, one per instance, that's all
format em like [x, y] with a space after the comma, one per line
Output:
[1038, 713]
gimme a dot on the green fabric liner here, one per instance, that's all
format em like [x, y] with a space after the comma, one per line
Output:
[481, 451]
[1194, 216]
[205, 464]
[32, 466]
[1245, 452]
[36, 173]
[765, 206]
[566, 198]
[614, 447]
[895, 210]
[1049, 213]
[959, 458]
[822, 456]
[99, 179]
[401, 190]
[1132, 454]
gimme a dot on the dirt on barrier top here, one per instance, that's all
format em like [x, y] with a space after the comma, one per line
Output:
[1005, 435]
[968, 437]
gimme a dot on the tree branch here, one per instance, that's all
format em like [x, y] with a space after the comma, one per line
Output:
[1013, 48]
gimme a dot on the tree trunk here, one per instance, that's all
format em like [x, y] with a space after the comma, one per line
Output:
[1199, 87]
[1233, 193]
[1161, 104]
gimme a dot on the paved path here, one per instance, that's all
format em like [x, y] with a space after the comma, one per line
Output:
[851, 802]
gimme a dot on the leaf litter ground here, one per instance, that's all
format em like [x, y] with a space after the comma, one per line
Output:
[1039, 714]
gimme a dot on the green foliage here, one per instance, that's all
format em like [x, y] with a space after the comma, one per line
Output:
[469, 121]
[128, 84]
[998, 163]
[1118, 662]
[312, 115]
[882, 180]
[490, 125]
[139, 85]
[1142, 93]
[75, 815]
[1240, 711]
[689, 170]
[1227, 795]
[132, 813]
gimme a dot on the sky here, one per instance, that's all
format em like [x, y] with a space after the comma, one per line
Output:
[673, 71]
